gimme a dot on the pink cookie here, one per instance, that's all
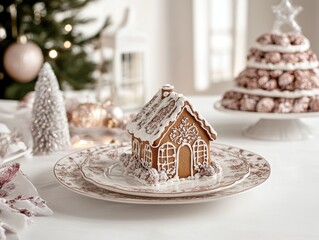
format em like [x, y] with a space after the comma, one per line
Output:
[312, 57]
[303, 83]
[314, 104]
[301, 105]
[290, 58]
[252, 83]
[285, 79]
[275, 73]
[314, 78]
[265, 105]
[263, 80]
[273, 57]
[270, 85]
[264, 39]
[248, 104]
[251, 72]
[230, 103]
[242, 81]
[296, 39]
[281, 40]
[302, 57]
[262, 72]
[283, 106]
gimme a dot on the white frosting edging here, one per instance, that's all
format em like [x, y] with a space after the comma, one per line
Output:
[288, 49]
[283, 66]
[277, 93]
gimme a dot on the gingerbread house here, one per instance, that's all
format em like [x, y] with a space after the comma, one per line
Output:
[169, 135]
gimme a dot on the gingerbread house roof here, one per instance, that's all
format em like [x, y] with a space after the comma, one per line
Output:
[162, 111]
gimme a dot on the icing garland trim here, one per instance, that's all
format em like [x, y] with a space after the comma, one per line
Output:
[283, 66]
[288, 49]
[277, 93]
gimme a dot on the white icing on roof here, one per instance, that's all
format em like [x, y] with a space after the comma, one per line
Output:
[158, 113]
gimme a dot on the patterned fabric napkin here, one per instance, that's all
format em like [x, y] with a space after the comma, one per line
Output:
[10, 143]
[19, 200]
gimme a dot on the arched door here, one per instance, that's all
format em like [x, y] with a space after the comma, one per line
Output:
[185, 161]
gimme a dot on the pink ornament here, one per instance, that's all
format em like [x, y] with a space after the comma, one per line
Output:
[23, 61]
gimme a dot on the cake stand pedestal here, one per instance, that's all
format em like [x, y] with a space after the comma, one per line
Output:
[274, 126]
[278, 129]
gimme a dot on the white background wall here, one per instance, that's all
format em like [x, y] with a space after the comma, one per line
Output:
[168, 24]
[151, 18]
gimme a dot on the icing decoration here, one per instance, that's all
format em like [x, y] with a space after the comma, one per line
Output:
[136, 148]
[148, 155]
[200, 151]
[184, 133]
[167, 160]
[285, 15]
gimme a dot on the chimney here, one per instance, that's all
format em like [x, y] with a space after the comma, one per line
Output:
[166, 90]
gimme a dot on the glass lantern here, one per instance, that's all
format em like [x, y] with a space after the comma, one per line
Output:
[126, 67]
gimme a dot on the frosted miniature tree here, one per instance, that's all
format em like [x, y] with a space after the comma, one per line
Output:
[49, 126]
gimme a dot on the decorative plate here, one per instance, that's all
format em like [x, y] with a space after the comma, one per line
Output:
[103, 170]
[68, 172]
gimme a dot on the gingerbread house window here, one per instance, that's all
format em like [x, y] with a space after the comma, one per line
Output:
[200, 152]
[166, 159]
[148, 155]
[136, 148]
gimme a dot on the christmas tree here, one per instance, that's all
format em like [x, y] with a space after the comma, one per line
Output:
[50, 26]
[49, 126]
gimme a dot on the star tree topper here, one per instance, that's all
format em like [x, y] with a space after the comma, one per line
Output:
[285, 16]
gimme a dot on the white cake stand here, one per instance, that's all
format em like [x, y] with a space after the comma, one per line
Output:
[274, 126]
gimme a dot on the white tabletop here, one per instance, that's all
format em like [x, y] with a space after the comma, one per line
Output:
[286, 206]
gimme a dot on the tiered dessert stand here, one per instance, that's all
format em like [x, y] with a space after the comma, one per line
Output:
[285, 50]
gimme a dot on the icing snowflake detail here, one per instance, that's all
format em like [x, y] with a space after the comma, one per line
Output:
[184, 133]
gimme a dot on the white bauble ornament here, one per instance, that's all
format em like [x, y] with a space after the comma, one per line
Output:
[23, 61]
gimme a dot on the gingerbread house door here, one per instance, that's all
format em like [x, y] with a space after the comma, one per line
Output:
[184, 161]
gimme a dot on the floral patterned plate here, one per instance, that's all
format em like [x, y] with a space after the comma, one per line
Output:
[103, 170]
[68, 172]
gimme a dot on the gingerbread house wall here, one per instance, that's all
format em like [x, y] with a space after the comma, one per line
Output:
[185, 152]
